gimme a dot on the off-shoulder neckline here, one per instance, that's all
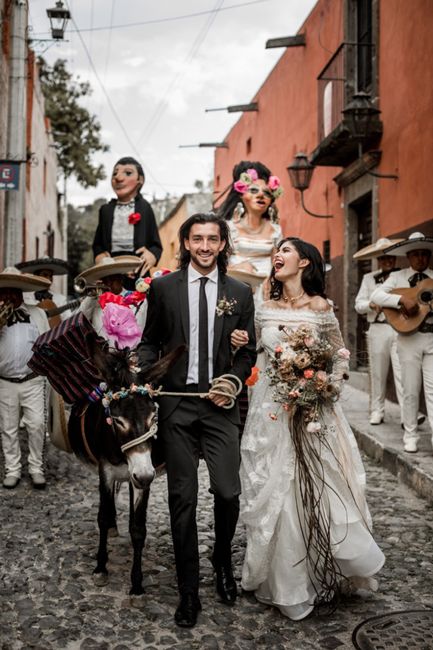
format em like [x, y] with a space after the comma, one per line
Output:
[291, 310]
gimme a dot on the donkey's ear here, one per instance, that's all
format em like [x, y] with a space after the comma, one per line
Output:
[98, 352]
[160, 368]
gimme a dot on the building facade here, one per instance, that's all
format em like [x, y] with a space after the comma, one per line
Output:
[378, 47]
[41, 221]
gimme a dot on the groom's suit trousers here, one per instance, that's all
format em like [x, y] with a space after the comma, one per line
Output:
[198, 426]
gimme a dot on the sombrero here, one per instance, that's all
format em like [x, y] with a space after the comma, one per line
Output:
[415, 242]
[119, 265]
[253, 279]
[377, 249]
[56, 266]
[12, 278]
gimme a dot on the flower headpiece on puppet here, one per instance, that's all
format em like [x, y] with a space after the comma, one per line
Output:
[251, 176]
[120, 324]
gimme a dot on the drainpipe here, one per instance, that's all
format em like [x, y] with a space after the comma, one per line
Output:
[15, 199]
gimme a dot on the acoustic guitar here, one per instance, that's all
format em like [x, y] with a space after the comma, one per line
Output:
[53, 311]
[423, 294]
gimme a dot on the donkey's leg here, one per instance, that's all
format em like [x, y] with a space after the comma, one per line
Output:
[138, 500]
[106, 500]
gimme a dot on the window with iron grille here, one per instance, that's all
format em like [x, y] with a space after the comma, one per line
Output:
[364, 26]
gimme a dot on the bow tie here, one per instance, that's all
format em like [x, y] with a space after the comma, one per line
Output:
[380, 277]
[18, 316]
[415, 278]
[44, 294]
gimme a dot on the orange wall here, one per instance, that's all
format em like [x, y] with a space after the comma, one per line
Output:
[406, 101]
[286, 123]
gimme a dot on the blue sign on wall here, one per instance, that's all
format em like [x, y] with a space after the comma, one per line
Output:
[9, 176]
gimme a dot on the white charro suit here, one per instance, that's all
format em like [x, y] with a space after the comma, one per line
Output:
[415, 352]
[382, 346]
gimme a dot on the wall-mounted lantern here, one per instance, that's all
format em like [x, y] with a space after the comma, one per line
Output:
[360, 114]
[59, 17]
[300, 173]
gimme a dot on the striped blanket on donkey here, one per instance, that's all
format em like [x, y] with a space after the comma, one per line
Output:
[63, 355]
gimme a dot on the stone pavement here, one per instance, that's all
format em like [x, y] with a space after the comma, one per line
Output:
[49, 600]
[384, 442]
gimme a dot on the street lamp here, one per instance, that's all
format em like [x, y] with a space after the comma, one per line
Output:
[300, 173]
[59, 17]
[360, 114]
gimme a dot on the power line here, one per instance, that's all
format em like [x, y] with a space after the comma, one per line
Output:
[169, 19]
[113, 110]
[162, 105]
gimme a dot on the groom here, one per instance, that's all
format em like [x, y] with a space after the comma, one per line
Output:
[198, 306]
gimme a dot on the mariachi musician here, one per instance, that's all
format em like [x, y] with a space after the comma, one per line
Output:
[415, 350]
[47, 267]
[381, 337]
[21, 390]
[108, 275]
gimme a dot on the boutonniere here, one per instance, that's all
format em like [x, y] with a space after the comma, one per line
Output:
[225, 307]
[134, 218]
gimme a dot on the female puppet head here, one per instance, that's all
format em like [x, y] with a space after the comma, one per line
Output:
[254, 188]
[127, 179]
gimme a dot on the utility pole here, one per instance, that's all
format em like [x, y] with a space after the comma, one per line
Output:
[17, 123]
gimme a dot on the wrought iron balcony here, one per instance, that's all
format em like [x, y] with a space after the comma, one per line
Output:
[336, 87]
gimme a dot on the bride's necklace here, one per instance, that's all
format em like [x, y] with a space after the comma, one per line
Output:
[294, 299]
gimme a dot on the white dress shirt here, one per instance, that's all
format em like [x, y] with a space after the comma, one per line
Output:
[211, 288]
[16, 343]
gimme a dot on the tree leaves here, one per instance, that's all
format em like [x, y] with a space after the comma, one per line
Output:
[76, 133]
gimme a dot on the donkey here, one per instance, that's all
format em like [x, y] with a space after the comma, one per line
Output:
[115, 434]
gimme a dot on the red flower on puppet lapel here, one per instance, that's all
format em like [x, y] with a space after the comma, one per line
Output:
[134, 218]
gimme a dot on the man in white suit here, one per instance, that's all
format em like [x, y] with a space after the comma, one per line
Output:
[381, 337]
[22, 392]
[415, 351]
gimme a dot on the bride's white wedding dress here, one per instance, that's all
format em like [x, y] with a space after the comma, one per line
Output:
[276, 567]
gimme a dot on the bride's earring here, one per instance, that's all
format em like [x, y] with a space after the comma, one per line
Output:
[239, 209]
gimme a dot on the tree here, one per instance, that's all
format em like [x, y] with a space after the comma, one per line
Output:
[75, 131]
[81, 229]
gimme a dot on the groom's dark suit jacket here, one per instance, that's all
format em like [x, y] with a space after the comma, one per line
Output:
[167, 327]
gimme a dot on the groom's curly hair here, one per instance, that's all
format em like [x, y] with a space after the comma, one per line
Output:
[205, 217]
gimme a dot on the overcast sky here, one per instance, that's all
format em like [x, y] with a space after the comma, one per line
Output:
[162, 74]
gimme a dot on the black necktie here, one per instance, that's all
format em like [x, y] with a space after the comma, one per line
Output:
[43, 294]
[415, 278]
[18, 316]
[203, 345]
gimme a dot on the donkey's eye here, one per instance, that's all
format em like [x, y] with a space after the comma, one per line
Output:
[121, 423]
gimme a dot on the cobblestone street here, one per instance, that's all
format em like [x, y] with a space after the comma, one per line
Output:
[49, 599]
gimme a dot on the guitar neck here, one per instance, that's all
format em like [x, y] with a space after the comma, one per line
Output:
[59, 310]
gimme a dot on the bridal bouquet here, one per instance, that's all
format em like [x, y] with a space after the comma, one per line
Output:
[300, 373]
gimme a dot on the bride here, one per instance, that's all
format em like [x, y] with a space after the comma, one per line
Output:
[307, 523]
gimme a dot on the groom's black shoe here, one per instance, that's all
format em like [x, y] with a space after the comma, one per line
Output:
[187, 610]
[225, 584]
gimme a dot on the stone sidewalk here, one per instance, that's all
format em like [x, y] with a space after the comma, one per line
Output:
[384, 442]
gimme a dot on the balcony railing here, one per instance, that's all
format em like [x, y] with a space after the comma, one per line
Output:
[337, 84]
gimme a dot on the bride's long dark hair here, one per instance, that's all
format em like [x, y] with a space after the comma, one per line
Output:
[313, 275]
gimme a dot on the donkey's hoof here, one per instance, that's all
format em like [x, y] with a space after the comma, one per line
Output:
[100, 579]
[113, 532]
[136, 591]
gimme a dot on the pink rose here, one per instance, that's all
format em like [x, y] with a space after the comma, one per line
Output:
[313, 427]
[134, 218]
[344, 353]
[240, 187]
[309, 341]
[273, 182]
[252, 174]
[321, 375]
[308, 374]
